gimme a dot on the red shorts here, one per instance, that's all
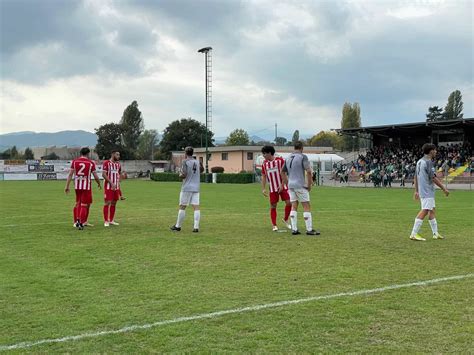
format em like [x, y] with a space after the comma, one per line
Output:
[84, 196]
[112, 195]
[274, 196]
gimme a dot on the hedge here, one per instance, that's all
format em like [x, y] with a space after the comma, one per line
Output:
[242, 178]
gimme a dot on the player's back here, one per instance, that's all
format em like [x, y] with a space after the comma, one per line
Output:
[295, 166]
[83, 168]
[191, 168]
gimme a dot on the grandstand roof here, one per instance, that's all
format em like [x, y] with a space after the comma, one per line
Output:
[419, 126]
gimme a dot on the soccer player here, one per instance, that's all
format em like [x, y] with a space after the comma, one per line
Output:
[425, 179]
[82, 168]
[293, 173]
[271, 172]
[111, 172]
[191, 170]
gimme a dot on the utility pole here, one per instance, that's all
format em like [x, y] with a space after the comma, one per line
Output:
[208, 87]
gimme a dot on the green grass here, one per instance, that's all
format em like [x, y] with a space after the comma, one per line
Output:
[56, 281]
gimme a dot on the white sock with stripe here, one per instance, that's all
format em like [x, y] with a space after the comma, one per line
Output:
[293, 220]
[181, 215]
[308, 220]
[416, 226]
[197, 218]
[434, 225]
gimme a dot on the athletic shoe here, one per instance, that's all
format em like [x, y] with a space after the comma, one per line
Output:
[275, 229]
[287, 224]
[87, 224]
[437, 236]
[175, 229]
[114, 223]
[296, 232]
[106, 224]
[80, 226]
[417, 237]
[77, 223]
[195, 230]
[313, 232]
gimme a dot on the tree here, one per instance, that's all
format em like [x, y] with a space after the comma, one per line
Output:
[454, 107]
[185, 132]
[280, 140]
[326, 139]
[109, 137]
[51, 156]
[28, 154]
[296, 136]
[238, 137]
[6, 154]
[14, 153]
[147, 144]
[350, 119]
[435, 113]
[132, 128]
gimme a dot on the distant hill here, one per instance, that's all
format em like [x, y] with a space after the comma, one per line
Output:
[32, 139]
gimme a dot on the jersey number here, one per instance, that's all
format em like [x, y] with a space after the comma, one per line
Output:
[194, 168]
[81, 169]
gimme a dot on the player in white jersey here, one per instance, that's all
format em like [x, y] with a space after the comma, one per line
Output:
[191, 170]
[425, 179]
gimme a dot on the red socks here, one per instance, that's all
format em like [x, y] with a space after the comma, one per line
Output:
[287, 212]
[106, 213]
[273, 215]
[75, 212]
[83, 212]
[112, 212]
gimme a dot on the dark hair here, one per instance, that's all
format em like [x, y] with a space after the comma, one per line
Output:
[85, 151]
[189, 151]
[268, 149]
[115, 150]
[298, 145]
[427, 148]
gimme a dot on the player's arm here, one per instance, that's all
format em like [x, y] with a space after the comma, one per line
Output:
[416, 195]
[438, 183]
[107, 180]
[182, 173]
[284, 174]
[309, 172]
[264, 184]
[68, 180]
[201, 168]
[96, 178]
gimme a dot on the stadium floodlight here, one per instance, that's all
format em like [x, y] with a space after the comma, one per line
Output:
[208, 88]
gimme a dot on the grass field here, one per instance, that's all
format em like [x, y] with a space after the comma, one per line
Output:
[56, 281]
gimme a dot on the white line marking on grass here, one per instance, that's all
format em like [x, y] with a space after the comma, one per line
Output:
[131, 328]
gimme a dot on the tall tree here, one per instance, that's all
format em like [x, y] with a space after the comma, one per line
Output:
[280, 140]
[28, 154]
[132, 128]
[185, 132]
[147, 144]
[350, 119]
[238, 137]
[326, 139]
[14, 153]
[435, 113]
[296, 136]
[454, 107]
[109, 137]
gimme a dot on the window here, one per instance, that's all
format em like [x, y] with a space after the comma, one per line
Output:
[249, 155]
[225, 156]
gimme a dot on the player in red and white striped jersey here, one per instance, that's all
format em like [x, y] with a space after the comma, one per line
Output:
[271, 173]
[81, 169]
[111, 171]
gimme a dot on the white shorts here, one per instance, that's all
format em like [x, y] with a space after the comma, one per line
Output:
[188, 198]
[427, 203]
[300, 195]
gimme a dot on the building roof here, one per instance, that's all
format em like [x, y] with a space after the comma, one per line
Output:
[258, 148]
[403, 127]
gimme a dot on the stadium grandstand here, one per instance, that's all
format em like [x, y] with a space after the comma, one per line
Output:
[393, 150]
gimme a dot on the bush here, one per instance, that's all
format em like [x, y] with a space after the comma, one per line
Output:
[243, 178]
[165, 177]
[217, 169]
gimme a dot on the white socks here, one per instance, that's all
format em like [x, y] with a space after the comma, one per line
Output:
[293, 220]
[434, 225]
[181, 215]
[416, 226]
[308, 220]
[197, 218]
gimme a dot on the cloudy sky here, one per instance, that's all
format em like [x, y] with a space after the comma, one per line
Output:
[69, 64]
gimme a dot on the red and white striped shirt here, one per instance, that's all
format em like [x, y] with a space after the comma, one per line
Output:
[83, 168]
[272, 170]
[113, 171]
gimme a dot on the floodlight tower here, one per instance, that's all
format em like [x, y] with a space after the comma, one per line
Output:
[208, 73]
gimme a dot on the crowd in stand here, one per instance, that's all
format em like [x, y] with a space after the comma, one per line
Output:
[383, 164]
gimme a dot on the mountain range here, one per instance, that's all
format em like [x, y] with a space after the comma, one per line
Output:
[83, 138]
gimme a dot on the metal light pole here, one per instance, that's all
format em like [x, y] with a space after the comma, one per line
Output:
[208, 72]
